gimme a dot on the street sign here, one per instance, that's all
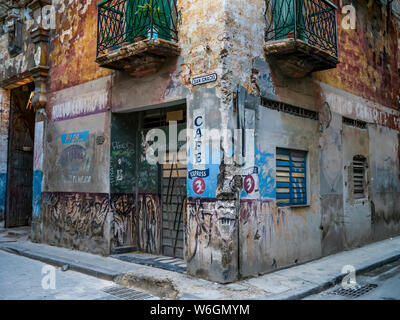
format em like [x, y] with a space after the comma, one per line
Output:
[204, 79]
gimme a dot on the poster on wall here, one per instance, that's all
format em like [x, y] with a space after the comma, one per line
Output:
[258, 172]
[203, 163]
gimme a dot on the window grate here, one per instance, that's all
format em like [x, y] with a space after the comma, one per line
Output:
[290, 109]
[355, 123]
[358, 177]
[290, 177]
[125, 293]
[159, 117]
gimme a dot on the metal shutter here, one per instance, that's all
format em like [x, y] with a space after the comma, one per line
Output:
[290, 177]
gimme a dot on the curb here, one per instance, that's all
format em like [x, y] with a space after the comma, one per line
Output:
[338, 279]
[108, 274]
[91, 270]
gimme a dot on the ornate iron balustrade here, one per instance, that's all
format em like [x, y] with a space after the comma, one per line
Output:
[128, 21]
[311, 21]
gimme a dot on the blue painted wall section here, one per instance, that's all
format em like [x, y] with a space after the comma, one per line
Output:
[74, 137]
[266, 162]
[37, 193]
[3, 180]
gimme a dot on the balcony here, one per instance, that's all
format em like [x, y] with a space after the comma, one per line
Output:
[136, 36]
[301, 36]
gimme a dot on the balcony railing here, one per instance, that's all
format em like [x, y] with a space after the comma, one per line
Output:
[129, 21]
[311, 21]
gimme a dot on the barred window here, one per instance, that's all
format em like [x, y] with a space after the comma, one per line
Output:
[291, 186]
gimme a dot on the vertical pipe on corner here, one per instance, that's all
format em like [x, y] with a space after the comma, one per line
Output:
[151, 19]
[295, 19]
[98, 31]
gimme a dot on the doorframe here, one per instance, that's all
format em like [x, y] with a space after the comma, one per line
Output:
[9, 88]
[169, 106]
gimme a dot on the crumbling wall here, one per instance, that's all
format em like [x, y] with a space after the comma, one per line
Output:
[76, 188]
[363, 86]
[16, 66]
[271, 236]
[384, 157]
[73, 45]
[357, 212]
[368, 55]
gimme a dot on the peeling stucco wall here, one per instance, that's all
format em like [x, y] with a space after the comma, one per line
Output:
[73, 45]
[4, 121]
[229, 233]
[14, 66]
[368, 55]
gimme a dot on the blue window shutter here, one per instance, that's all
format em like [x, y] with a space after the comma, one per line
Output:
[291, 175]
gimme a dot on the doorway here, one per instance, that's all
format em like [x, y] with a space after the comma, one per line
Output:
[18, 209]
[161, 187]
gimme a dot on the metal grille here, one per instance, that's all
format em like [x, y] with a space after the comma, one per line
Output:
[287, 108]
[121, 21]
[356, 292]
[312, 21]
[358, 177]
[125, 293]
[173, 196]
[355, 123]
[160, 117]
[290, 177]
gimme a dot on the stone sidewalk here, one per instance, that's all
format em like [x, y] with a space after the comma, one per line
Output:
[291, 283]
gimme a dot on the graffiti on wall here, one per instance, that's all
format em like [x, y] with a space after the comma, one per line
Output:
[71, 219]
[122, 153]
[122, 173]
[147, 173]
[124, 219]
[210, 233]
[149, 223]
[198, 226]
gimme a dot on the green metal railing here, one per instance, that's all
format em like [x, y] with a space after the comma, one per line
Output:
[312, 21]
[122, 21]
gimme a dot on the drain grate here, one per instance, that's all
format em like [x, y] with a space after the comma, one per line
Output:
[356, 292]
[125, 293]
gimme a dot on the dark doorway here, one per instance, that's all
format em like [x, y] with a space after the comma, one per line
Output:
[20, 158]
[161, 187]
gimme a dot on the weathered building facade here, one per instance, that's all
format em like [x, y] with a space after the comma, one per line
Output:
[311, 102]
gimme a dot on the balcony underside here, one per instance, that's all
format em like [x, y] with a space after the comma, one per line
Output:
[297, 58]
[140, 58]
